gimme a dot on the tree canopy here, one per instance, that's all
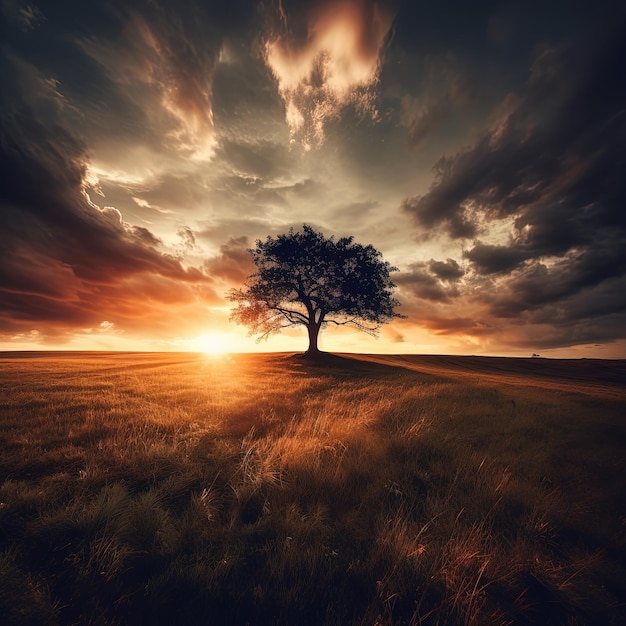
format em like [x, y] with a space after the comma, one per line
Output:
[304, 278]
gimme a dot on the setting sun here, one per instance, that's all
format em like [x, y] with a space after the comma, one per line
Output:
[213, 343]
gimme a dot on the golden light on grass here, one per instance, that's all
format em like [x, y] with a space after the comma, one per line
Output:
[214, 344]
[383, 489]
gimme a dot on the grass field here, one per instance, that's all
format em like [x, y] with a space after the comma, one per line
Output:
[264, 489]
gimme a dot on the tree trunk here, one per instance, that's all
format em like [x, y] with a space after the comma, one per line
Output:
[314, 331]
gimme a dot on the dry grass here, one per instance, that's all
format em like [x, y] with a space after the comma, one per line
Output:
[260, 489]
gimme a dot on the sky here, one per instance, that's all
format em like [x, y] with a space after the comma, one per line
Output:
[480, 146]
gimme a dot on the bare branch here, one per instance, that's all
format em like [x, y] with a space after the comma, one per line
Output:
[370, 330]
[300, 318]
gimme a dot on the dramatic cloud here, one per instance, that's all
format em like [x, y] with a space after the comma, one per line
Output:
[183, 77]
[555, 173]
[447, 271]
[145, 145]
[67, 261]
[335, 63]
[492, 259]
[432, 281]
[552, 166]
[167, 56]
[234, 263]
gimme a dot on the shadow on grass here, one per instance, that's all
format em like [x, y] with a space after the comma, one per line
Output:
[346, 369]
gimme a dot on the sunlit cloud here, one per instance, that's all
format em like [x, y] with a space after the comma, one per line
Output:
[96, 175]
[32, 335]
[336, 65]
[102, 328]
[141, 202]
[162, 69]
[183, 77]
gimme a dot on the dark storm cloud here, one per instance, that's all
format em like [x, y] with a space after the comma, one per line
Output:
[594, 314]
[491, 259]
[59, 249]
[44, 201]
[537, 285]
[431, 281]
[448, 270]
[553, 165]
[451, 325]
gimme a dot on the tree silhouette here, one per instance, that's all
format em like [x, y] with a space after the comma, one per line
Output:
[304, 278]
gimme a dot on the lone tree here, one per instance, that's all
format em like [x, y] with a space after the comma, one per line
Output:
[304, 278]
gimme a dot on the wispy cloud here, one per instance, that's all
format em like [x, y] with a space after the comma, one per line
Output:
[166, 52]
[334, 64]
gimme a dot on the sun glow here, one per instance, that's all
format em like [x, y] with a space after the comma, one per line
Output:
[213, 343]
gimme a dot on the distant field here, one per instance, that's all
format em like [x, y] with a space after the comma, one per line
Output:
[174, 488]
